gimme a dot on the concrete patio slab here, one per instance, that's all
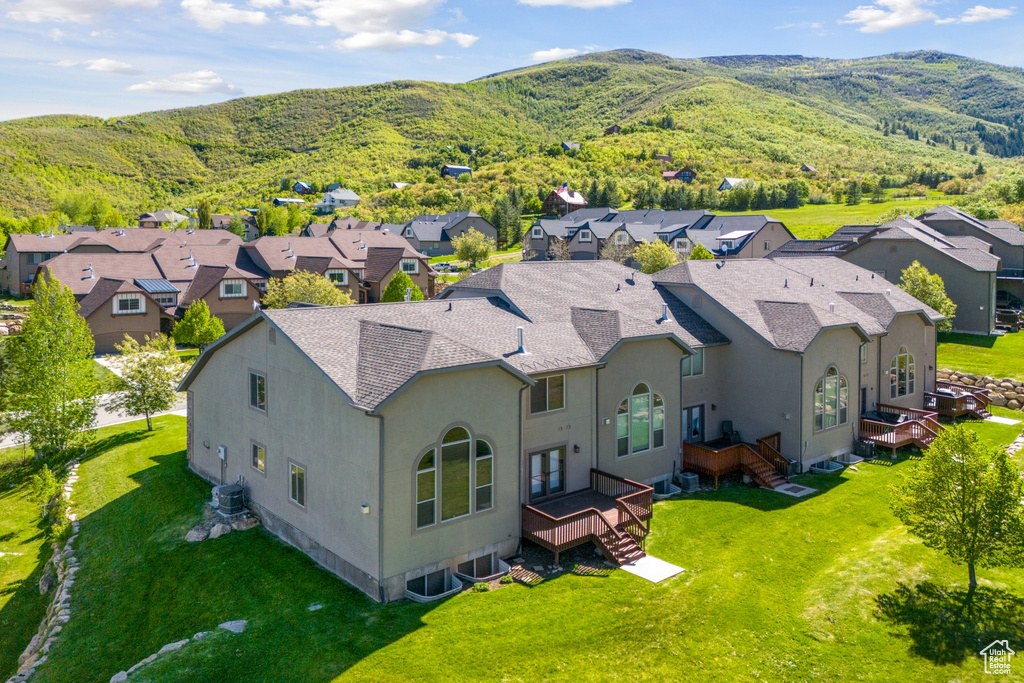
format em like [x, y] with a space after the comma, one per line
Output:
[1002, 420]
[652, 569]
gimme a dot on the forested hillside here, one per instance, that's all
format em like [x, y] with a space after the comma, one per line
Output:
[903, 118]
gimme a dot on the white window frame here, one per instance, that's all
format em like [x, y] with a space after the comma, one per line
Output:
[683, 245]
[166, 299]
[343, 281]
[409, 232]
[436, 471]
[410, 262]
[767, 245]
[864, 352]
[841, 394]
[260, 285]
[258, 457]
[621, 237]
[909, 372]
[537, 233]
[242, 291]
[297, 476]
[656, 410]
[688, 363]
[726, 245]
[34, 259]
[138, 298]
[586, 236]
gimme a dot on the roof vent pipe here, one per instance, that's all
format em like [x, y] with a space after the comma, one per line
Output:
[888, 292]
[90, 272]
[519, 339]
[785, 283]
[832, 307]
[408, 293]
[664, 313]
[812, 282]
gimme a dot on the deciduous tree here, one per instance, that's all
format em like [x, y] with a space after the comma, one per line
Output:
[473, 246]
[964, 500]
[701, 253]
[197, 327]
[149, 376]
[305, 287]
[655, 256]
[397, 287]
[205, 214]
[49, 380]
[929, 289]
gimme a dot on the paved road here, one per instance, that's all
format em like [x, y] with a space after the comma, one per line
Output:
[104, 418]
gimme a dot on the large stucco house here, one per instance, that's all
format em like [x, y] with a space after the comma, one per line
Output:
[402, 445]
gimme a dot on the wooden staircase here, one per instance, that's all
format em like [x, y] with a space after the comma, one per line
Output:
[618, 546]
[958, 400]
[763, 463]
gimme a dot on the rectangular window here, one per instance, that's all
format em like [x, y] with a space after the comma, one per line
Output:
[410, 266]
[297, 490]
[166, 300]
[338, 277]
[547, 394]
[641, 422]
[259, 458]
[767, 246]
[819, 407]
[258, 391]
[232, 289]
[622, 429]
[658, 426]
[585, 236]
[129, 304]
[34, 259]
[260, 285]
[455, 479]
[408, 232]
[863, 353]
[484, 477]
[537, 233]
[621, 238]
[694, 365]
[547, 473]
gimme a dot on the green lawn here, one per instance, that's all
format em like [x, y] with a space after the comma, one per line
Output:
[823, 588]
[814, 221]
[103, 375]
[994, 356]
[8, 299]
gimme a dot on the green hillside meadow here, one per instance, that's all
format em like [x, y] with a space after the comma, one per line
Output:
[895, 117]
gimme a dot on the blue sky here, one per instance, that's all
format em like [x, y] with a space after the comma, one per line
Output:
[110, 57]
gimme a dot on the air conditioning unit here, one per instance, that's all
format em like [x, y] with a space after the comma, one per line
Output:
[230, 500]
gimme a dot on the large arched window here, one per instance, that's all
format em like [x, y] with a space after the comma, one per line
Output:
[450, 483]
[831, 400]
[640, 421]
[901, 374]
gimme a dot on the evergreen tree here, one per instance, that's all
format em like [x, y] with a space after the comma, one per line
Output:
[205, 213]
[49, 381]
[760, 199]
[792, 200]
[854, 194]
[594, 194]
[398, 286]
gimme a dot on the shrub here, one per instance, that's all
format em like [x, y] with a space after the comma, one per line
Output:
[507, 579]
[481, 587]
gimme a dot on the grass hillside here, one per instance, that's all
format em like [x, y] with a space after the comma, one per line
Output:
[759, 117]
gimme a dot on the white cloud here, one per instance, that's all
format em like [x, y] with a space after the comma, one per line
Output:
[582, 4]
[457, 16]
[214, 15]
[73, 11]
[553, 54]
[297, 20]
[194, 83]
[369, 16]
[265, 4]
[56, 34]
[885, 15]
[103, 64]
[982, 13]
[398, 40]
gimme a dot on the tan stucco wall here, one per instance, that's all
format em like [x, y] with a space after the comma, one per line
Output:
[1012, 256]
[773, 233]
[308, 421]
[909, 330]
[972, 292]
[486, 402]
[655, 362]
[232, 311]
[571, 426]
[839, 348]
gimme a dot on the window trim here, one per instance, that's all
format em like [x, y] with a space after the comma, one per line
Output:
[252, 446]
[545, 454]
[257, 373]
[586, 236]
[437, 470]
[537, 234]
[864, 352]
[129, 296]
[409, 233]
[547, 396]
[243, 291]
[841, 395]
[652, 408]
[688, 360]
[292, 466]
[410, 261]
[910, 373]
[336, 271]
[621, 238]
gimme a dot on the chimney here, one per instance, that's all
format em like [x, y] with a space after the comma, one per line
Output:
[664, 313]
[519, 339]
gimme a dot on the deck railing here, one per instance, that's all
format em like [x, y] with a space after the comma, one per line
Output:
[894, 436]
[928, 418]
[738, 456]
[768, 447]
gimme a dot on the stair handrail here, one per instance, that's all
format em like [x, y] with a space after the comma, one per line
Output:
[633, 525]
[759, 468]
[771, 453]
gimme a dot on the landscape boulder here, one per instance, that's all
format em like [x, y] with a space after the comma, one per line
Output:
[236, 626]
[197, 534]
[219, 530]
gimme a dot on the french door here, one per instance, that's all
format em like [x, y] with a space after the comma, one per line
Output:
[693, 424]
[547, 473]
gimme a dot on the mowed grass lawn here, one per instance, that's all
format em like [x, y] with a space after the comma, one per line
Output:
[825, 588]
[815, 221]
[994, 356]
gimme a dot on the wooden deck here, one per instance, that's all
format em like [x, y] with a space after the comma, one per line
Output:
[614, 514]
[761, 461]
[957, 400]
[918, 428]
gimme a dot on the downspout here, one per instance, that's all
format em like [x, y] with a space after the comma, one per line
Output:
[594, 461]
[519, 486]
[803, 446]
[380, 508]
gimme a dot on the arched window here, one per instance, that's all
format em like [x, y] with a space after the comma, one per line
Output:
[831, 400]
[640, 421]
[451, 483]
[901, 374]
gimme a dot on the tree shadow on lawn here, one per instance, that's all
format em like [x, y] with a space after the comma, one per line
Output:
[985, 341]
[142, 586]
[765, 499]
[21, 614]
[948, 625]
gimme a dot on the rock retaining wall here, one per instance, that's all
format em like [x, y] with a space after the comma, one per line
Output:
[1006, 393]
[59, 571]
